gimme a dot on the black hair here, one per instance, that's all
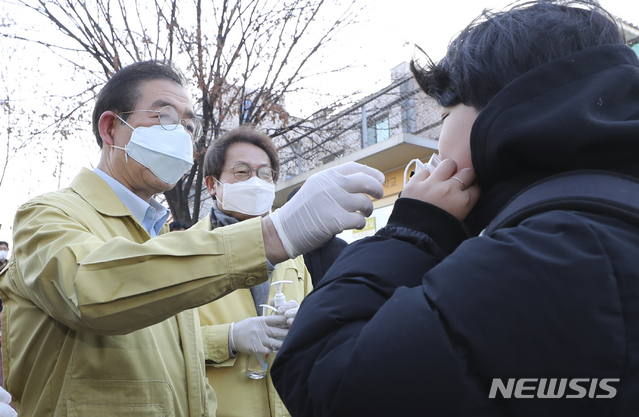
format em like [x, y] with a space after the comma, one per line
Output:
[498, 47]
[2, 242]
[178, 224]
[215, 157]
[122, 92]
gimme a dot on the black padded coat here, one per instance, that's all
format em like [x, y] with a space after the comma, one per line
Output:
[420, 320]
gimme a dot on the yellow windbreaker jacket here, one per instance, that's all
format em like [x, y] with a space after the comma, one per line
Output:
[237, 394]
[99, 318]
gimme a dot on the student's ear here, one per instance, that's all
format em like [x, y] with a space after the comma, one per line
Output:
[106, 126]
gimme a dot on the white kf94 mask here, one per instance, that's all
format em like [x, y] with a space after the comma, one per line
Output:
[252, 197]
[168, 154]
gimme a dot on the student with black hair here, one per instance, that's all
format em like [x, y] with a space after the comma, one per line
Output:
[538, 316]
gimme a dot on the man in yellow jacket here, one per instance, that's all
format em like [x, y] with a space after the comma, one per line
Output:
[241, 168]
[98, 312]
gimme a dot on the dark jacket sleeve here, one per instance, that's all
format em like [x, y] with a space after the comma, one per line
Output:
[407, 323]
[319, 260]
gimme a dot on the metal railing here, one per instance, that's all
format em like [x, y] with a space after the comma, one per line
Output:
[400, 107]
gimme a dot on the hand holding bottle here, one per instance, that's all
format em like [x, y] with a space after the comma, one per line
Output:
[288, 310]
[255, 335]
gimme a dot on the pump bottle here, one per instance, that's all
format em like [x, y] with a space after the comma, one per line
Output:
[280, 298]
[257, 364]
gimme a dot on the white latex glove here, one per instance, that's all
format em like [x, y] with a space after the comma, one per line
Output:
[258, 334]
[328, 203]
[5, 409]
[288, 310]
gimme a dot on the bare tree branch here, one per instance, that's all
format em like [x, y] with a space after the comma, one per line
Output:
[243, 56]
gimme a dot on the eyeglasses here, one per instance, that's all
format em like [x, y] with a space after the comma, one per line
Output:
[169, 119]
[243, 172]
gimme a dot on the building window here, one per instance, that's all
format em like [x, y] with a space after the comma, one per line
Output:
[333, 156]
[378, 130]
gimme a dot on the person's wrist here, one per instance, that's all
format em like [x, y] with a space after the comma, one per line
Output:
[441, 226]
[273, 246]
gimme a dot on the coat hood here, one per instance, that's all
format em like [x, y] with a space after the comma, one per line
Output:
[577, 112]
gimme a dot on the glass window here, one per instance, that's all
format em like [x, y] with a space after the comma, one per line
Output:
[378, 130]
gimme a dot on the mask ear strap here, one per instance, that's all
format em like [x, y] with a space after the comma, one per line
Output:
[406, 170]
[124, 121]
[217, 197]
[126, 154]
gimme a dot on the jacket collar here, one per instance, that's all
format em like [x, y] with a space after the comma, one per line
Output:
[98, 194]
[577, 112]
[219, 218]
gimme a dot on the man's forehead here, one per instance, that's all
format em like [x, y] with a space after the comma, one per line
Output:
[246, 153]
[158, 104]
[161, 92]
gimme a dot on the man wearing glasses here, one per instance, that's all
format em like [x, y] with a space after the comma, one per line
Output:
[240, 170]
[99, 303]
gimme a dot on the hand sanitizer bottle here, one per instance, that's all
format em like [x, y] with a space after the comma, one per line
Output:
[257, 364]
[280, 298]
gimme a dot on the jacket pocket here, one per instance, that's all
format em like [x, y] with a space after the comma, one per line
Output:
[121, 398]
[114, 410]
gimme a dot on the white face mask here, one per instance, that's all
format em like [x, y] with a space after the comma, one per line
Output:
[3, 255]
[253, 197]
[167, 153]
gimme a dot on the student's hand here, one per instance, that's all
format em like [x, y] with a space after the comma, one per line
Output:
[445, 188]
[328, 203]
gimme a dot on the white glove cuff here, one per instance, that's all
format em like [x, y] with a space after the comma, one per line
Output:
[286, 242]
[232, 351]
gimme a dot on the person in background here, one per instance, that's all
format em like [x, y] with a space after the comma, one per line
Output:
[241, 168]
[4, 254]
[5, 398]
[1, 372]
[178, 225]
[537, 318]
[319, 260]
[4, 261]
[99, 302]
